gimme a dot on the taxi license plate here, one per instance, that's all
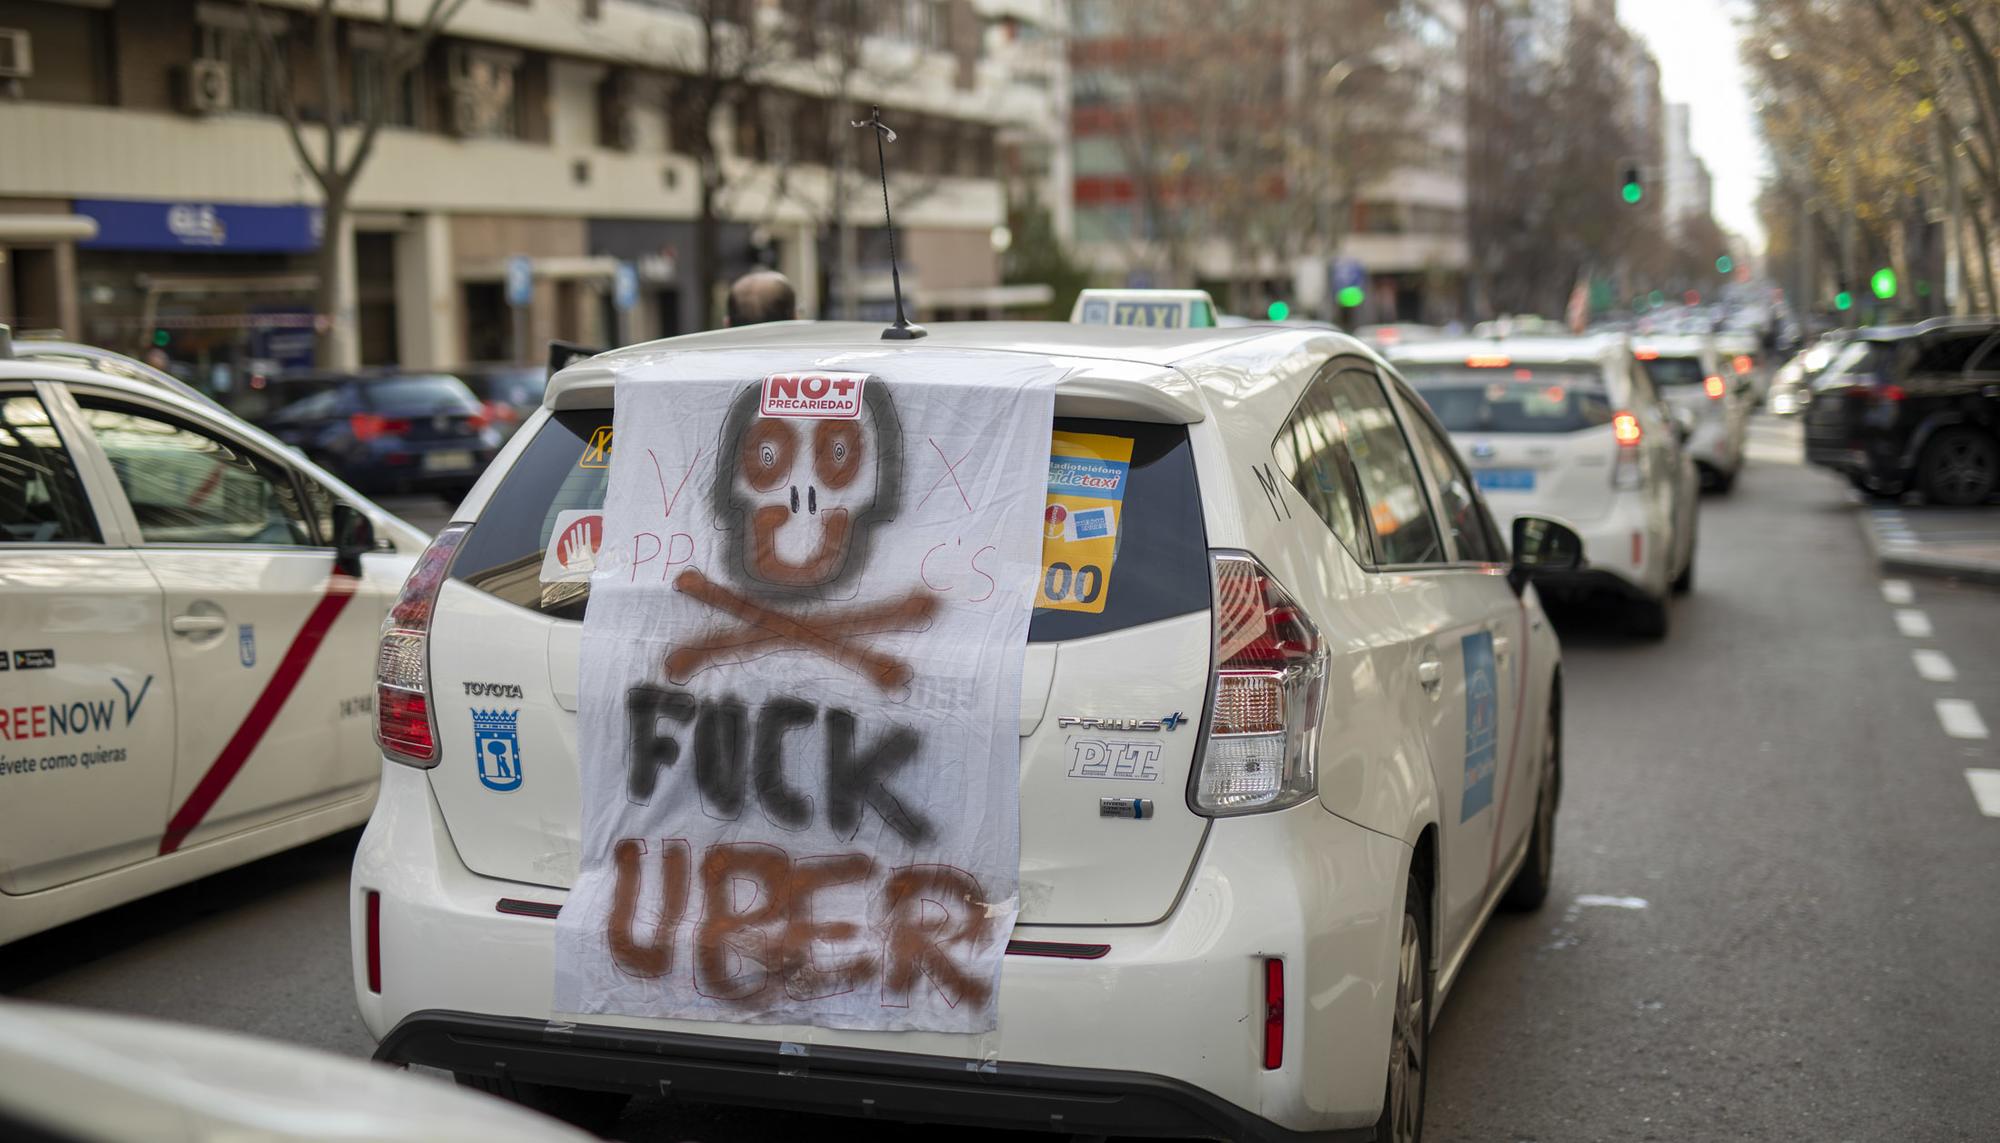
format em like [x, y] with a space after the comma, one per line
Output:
[450, 460]
[1505, 479]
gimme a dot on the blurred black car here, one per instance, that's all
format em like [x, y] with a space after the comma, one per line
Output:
[508, 392]
[391, 432]
[1913, 407]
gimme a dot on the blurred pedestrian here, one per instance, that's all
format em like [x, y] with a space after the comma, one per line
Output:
[761, 296]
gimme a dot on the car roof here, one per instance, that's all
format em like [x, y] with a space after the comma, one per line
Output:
[1167, 361]
[1918, 329]
[1675, 344]
[1591, 348]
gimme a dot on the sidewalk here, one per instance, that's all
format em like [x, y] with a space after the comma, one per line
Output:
[1959, 543]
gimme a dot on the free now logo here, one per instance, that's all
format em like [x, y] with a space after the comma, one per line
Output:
[818, 396]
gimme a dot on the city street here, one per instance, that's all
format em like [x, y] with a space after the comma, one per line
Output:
[1773, 899]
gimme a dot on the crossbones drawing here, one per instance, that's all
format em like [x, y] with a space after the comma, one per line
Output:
[799, 501]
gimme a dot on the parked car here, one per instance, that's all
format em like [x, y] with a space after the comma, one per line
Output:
[75, 1076]
[396, 432]
[508, 393]
[1713, 396]
[1917, 407]
[190, 622]
[1267, 959]
[1573, 428]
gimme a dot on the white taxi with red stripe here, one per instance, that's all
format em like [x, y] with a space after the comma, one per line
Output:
[188, 616]
[1289, 733]
[1574, 428]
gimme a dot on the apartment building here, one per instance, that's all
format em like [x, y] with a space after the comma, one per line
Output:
[150, 192]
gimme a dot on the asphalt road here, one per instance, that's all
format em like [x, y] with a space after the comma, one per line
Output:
[1775, 914]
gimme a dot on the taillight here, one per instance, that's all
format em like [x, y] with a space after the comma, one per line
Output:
[1714, 387]
[368, 426]
[1264, 703]
[478, 421]
[1625, 471]
[1890, 394]
[403, 723]
[1274, 1013]
[1742, 364]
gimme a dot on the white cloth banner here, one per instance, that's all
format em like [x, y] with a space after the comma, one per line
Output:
[800, 689]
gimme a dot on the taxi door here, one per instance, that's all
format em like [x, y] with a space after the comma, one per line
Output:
[86, 696]
[264, 646]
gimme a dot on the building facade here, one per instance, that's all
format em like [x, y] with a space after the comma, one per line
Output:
[535, 167]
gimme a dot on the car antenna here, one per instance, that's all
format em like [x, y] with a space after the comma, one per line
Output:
[903, 330]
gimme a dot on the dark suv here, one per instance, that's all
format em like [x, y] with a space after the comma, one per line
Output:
[1913, 407]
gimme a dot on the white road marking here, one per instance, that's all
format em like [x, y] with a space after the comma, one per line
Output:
[1598, 900]
[1913, 623]
[1933, 667]
[1985, 790]
[1960, 718]
[1898, 592]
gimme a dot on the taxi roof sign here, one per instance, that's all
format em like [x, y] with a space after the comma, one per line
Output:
[1145, 309]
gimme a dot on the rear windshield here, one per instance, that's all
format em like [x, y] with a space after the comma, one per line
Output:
[1147, 561]
[418, 396]
[1856, 362]
[1520, 399]
[1671, 372]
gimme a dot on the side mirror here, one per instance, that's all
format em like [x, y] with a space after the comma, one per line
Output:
[353, 536]
[1684, 422]
[1543, 544]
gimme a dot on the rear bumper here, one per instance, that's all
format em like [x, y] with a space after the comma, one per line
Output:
[830, 1080]
[1176, 1006]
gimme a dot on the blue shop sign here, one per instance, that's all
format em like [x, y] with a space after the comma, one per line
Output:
[234, 227]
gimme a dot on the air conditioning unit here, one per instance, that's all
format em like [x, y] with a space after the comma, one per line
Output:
[205, 87]
[17, 57]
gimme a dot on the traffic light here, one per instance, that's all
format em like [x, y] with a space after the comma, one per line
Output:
[1843, 301]
[1278, 311]
[1725, 264]
[161, 337]
[1351, 296]
[1883, 283]
[1633, 190]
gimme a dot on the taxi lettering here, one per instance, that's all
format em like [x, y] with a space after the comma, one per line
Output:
[80, 716]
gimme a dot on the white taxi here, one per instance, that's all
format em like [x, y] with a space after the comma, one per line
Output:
[1244, 933]
[1575, 428]
[189, 613]
[1710, 394]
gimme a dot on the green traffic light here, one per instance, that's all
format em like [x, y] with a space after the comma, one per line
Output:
[1843, 301]
[1883, 283]
[1351, 296]
[1724, 264]
[1278, 311]
[1633, 192]
[161, 337]
[1656, 298]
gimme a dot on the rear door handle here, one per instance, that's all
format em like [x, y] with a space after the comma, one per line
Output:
[1430, 674]
[197, 624]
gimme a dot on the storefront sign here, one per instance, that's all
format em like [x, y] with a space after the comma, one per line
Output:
[233, 227]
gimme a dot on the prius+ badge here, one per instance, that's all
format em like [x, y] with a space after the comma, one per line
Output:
[1173, 721]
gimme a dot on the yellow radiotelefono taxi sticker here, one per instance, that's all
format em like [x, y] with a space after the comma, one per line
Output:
[597, 454]
[1087, 477]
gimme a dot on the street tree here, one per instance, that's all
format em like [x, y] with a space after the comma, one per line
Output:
[346, 131]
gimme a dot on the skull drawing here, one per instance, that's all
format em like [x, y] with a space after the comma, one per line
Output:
[802, 498]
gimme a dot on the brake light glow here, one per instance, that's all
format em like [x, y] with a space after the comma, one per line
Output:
[1714, 387]
[1488, 361]
[368, 426]
[1274, 1013]
[1742, 363]
[403, 724]
[1264, 703]
[1626, 431]
[1892, 394]
[1646, 353]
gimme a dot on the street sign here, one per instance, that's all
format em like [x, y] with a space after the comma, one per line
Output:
[625, 286]
[520, 280]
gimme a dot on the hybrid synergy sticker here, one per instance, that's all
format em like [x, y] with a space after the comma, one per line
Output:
[1087, 478]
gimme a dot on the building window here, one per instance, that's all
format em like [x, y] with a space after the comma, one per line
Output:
[483, 91]
[228, 37]
[371, 82]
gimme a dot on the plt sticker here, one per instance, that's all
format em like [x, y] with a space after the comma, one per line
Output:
[1087, 478]
[573, 547]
